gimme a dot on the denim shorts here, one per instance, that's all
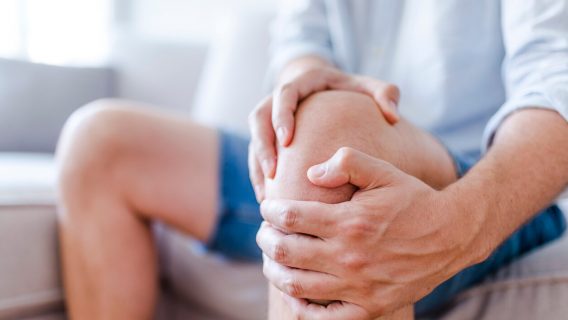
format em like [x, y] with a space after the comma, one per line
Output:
[239, 219]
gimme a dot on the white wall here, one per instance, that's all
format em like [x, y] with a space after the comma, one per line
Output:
[161, 47]
[187, 20]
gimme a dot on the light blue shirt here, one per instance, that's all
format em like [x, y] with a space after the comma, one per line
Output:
[462, 65]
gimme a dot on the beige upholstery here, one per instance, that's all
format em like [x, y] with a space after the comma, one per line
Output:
[535, 287]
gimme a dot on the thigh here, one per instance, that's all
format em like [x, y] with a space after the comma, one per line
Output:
[166, 166]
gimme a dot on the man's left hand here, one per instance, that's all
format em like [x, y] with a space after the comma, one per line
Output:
[389, 246]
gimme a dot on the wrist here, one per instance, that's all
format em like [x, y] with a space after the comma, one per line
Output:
[467, 226]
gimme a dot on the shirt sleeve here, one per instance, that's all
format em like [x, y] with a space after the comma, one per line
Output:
[535, 70]
[301, 28]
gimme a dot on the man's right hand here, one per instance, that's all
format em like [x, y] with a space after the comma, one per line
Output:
[272, 121]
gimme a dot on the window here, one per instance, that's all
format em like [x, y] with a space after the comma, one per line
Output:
[63, 32]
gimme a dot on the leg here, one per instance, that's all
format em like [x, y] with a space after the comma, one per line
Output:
[120, 167]
[330, 120]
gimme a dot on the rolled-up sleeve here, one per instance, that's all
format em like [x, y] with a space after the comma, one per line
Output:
[535, 70]
[300, 28]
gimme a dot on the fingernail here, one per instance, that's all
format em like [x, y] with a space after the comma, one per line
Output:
[317, 171]
[281, 133]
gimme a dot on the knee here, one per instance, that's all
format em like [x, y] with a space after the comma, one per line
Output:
[325, 123]
[89, 144]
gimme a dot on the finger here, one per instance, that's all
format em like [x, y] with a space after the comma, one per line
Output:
[255, 175]
[336, 310]
[386, 95]
[285, 104]
[287, 97]
[314, 218]
[348, 165]
[262, 138]
[300, 283]
[293, 250]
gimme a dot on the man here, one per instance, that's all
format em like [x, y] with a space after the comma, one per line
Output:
[447, 57]
[405, 220]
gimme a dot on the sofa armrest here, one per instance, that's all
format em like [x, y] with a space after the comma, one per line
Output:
[30, 283]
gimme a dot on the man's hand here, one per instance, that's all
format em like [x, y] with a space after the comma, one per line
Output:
[394, 242]
[273, 119]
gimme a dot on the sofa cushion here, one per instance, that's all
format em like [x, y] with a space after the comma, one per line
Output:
[534, 287]
[35, 101]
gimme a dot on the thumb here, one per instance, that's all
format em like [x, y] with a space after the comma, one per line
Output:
[348, 165]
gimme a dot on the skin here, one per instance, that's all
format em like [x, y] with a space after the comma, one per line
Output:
[525, 169]
[121, 166]
[326, 122]
[274, 116]
[107, 205]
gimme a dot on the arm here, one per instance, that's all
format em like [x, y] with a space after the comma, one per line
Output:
[523, 172]
[527, 164]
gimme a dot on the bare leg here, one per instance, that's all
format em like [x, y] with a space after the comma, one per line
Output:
[330, 120]
[120, 167]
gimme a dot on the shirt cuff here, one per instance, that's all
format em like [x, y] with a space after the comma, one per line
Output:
[531, 100]
[558, 102]
[282, 57]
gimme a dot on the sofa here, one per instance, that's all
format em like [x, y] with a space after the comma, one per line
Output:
[216, 85]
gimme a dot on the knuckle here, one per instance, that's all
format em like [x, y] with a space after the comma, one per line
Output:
[357, 228]
[293, 288]
[285, 88]
[392, 90]
[289, 218]
[280, 252]
[353, 262]
[345, 155]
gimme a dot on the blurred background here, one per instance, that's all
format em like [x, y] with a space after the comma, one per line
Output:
[200, 59]
[147, 50]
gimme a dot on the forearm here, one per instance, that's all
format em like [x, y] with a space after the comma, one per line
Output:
[523, 172]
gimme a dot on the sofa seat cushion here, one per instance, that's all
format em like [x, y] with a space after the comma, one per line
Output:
[534, 287]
